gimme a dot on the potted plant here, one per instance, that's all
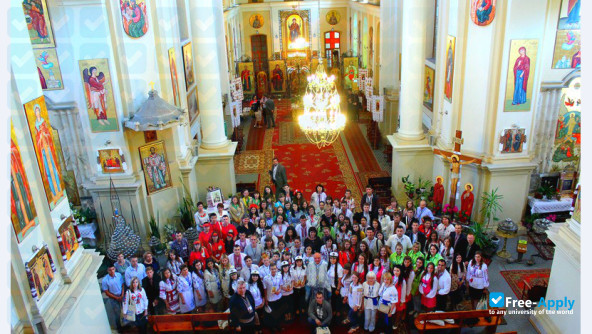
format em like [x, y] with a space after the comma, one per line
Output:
[490, 208]
[483, 239]
[547, 192]
[154, 242]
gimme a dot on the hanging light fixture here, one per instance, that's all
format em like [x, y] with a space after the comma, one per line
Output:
[322, 120]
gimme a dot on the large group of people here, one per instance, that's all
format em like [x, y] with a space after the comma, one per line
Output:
[272, 258]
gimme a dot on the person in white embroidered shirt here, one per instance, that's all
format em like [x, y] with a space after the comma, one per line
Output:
[318, 196]
[273, 292]
[134, 270]
[443, 286]
[345, 210]
[136, 302]
[445, 228]
[201, 216]
[297, 249]
[302, 228]
[316, 275]
[478, 278]
[399, 237]
[237, 259]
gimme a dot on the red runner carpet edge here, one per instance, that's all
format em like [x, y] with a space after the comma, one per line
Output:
[514, 278]
[360, 150]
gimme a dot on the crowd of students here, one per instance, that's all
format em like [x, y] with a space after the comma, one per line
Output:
[372, 265]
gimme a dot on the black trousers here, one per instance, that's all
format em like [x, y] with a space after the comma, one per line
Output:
[300, 299]
[275, 319]
[269, 119]
[441, 301]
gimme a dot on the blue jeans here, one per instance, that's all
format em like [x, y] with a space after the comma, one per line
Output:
[114, 312]
[354, 318]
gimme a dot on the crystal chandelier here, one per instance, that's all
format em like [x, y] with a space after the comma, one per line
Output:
[322, 120]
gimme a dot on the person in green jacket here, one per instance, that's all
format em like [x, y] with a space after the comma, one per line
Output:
[415, 252]
[433, 255]
[398, 256]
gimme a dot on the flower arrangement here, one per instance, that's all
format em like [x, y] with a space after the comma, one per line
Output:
[84, 215]
[552, 218]
[464, 216]
[450, 210]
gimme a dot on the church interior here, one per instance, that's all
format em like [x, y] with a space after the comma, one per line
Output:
[132, 120]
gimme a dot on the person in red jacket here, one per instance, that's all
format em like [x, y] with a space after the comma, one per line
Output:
[227, 226]
[199, 253]
[346, 253]
[206, 234]
[216, 247]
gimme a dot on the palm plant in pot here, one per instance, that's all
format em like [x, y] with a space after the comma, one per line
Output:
[490, 208]
[154, 242]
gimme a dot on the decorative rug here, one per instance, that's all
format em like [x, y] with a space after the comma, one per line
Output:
[545, 246]
[515, 278]
[290, 133]
[360, 149]
[253, 161]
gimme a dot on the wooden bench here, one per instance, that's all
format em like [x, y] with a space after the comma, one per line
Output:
[188, 322]
[460, 317]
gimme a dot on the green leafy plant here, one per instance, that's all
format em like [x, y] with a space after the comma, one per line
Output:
[547, 191]
[154, 226]
[417, 191]
[482, 239]
[169, 231]
[83, 215]
[490, 206]
[186, 208]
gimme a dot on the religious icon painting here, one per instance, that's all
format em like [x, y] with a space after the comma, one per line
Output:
[521, 70]
[277, 79]
[262, 84]
[236, 89]
[67, 239]
[362, 75]
[377, 108]
[567, 52]
[174, 77]
[247, 75]
[449, 77]
[38, 23]
[48, 68]
[192, 108]
[512, 140]
[111, 161]
[155, 165]
[567, 144]
[295, 31]
[23, 213]
[134, 18]
[256, 21]
[40, 271]
[188, 65]
[150, 136]
[569, 15]
[333, 17]
[350, 73]
[482, 11]
[577, 212]
[98, 92]
[69, 176]
[428, 88]
[45, 150]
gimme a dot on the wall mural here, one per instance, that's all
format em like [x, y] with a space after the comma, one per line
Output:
[350, 71]
[38, 23]
[256, 21]
[449, 79]
[48, 69]
[188, 65]
[566, 149]
[512, 140]
[69, 243]
[111, 161]
[521, 69]
[98, 92]
[45, 151]
[428, 90]
[134, 18]
[174, 77]
[22, 208]
[333, 17]
[567, 52]
[278, 76]
[40, 272]
[247, 74]
[155, 165]
[482, 11]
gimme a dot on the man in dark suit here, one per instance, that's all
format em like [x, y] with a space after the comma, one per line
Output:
[151, 284]
[365, 213]
[278, 176]
[415, 235]
[408, 219]
[469, 253]
[372, 199]
[459, 240]
[269, 107]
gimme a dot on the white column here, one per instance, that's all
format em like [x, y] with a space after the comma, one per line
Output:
[205, 16]
[415, 20]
